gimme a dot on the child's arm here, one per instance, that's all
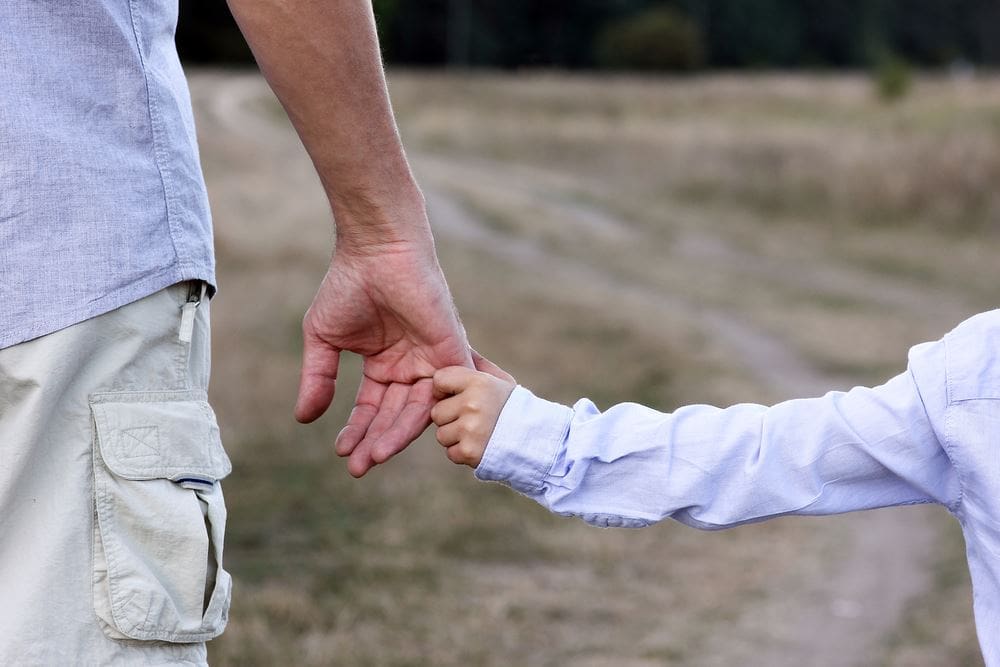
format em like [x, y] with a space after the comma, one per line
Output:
[704, 466]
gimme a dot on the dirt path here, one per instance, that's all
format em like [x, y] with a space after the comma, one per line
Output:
[840, 620]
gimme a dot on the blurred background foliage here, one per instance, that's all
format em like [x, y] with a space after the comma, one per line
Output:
[649, 34]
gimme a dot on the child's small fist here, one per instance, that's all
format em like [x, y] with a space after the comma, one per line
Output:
[467, 417]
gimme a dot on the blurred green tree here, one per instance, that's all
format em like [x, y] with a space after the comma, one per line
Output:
[891, 75]
[660, 38]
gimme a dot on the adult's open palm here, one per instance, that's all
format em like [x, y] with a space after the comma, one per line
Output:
[394, 309]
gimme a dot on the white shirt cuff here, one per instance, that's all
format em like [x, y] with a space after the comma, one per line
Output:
[529, 434]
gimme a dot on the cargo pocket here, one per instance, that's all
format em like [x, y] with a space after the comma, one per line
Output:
[160, 517]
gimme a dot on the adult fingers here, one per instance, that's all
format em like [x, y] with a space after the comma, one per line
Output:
[318, 379]
[393, 402]
[366, 407]
[362, 459]
[412, 420]
[486, 366]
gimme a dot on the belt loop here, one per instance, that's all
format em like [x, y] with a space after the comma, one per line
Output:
[196, 293]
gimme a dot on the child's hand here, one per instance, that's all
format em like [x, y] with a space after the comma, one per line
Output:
[471, 405]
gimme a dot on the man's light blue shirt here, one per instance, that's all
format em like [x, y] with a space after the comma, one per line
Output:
[929, 435]
[102, 200]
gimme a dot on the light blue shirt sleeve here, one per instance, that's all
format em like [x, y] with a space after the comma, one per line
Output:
[714, 468]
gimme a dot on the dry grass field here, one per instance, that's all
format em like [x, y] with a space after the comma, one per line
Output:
[666, 241]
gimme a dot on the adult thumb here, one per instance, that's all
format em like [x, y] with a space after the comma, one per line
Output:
[318, 379]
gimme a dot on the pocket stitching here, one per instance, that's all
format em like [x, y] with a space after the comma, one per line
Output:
[105, 509]
[214, 466]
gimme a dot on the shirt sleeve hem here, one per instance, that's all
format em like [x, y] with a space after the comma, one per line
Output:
[528, 436]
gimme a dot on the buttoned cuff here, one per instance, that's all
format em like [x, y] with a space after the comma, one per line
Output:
[528, 436]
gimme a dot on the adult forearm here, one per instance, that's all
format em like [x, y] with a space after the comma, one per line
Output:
[321, 58]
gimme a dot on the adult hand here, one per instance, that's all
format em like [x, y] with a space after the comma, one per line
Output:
[390, 304]
[384, 296]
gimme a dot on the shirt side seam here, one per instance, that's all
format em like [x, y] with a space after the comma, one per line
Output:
[156, 131]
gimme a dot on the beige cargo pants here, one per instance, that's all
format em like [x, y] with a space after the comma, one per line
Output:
[111, 512]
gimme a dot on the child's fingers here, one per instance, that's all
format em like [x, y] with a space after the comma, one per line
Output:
[457, 455]
[449, 434]
[464, 454]
[486, 366]
[452, 380]
[446, 411]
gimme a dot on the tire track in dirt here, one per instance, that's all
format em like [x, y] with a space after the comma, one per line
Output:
[771, 362]
[559, 193]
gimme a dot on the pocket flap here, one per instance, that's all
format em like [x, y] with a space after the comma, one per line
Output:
[166, 435]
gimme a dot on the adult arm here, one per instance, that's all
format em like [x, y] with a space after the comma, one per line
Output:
[384, 296]
[714, 468]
